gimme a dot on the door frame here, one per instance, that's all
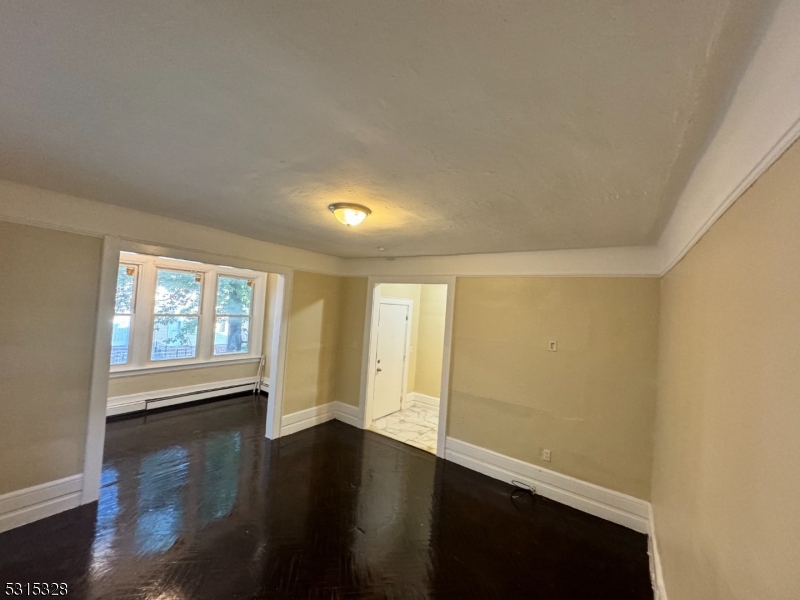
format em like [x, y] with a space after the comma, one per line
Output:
[444, 387]
[373, 350]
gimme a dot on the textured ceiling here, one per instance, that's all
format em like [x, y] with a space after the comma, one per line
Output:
[467, 126]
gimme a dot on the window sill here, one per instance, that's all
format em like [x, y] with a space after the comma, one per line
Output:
[174, 366]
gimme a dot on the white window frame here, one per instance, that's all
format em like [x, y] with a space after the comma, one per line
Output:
[140, 344]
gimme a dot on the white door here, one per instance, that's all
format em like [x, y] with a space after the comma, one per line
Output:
[390, 359]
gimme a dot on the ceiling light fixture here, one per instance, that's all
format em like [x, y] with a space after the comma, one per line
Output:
[349, 214]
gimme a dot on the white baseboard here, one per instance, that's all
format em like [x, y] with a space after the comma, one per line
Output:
[119, 405]
[31, 504]
[348, 414]
[616, 507]
[422, 399]
[303, 419]
[587, 497]
[656, 574]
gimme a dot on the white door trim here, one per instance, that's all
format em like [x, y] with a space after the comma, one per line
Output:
[101, 363]
[373, 351]
[277, 368]
[444, 388]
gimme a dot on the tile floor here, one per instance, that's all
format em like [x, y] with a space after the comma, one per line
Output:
[415, 425]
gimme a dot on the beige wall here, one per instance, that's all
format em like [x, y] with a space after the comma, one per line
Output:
[726, 477]
[149, 382]
[48, 299]
[313, 340]
[351, 340]
[591, 402]
[430, 340]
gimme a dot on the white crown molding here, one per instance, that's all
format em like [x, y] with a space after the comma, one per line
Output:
[39, 501]
[762, 121]
[634, 261]
[43, 208]
[692, 222]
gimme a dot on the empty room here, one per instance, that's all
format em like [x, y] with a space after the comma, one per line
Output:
[432, 299]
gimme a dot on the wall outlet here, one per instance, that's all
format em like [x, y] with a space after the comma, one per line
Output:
[553, 346]
[546, 455]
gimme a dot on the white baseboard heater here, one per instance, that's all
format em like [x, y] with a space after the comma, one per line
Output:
[120, 405]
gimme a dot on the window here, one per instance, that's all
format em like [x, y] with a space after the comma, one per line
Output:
[232, 329]
[172, 313]
[123, 314]
[176, 316]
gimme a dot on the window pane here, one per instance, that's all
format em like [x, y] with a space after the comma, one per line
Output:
[231, 335]
[125, 280]
[178, 293]
[120, 338]
[174, 337]
[233, 296]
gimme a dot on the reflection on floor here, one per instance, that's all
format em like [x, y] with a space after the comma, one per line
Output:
[196, 503]
[415, 425]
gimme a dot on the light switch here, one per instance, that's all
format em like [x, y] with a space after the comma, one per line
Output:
[553, 346]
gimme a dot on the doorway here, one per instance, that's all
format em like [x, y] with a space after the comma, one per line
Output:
[407, 361]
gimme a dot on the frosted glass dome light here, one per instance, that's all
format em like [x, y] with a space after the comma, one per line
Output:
[349, 214]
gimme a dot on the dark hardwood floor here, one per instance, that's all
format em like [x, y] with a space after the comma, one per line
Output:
[197, 504]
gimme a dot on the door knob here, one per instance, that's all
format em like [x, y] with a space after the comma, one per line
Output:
[379, 369]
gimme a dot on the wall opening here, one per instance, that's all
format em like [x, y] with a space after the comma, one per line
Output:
[177, 328]
[185, 331]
